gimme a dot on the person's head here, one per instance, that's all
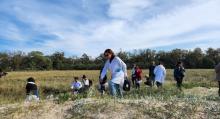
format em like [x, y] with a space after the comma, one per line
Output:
[160, 62]
[179, 63]
[109, 53]
[30, 79]
[134, 65]
[153, 63]
[84, 76]
[76, 79]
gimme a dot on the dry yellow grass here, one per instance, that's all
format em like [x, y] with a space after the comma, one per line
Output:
[198, 100]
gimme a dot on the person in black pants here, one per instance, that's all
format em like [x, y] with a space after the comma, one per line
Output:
[179, 73]
[151, 73]
[133, 74]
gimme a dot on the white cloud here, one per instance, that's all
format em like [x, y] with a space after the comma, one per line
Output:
[127, 9]
[165, 30]
[10, 31]
[124, 29]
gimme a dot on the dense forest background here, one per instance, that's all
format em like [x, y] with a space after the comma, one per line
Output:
[36, 60]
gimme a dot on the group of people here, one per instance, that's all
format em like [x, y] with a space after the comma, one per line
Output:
[157, 75]
[77, 86]
[119, 77]
[81, 86]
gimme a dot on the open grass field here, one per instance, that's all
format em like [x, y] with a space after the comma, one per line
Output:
[199, 98]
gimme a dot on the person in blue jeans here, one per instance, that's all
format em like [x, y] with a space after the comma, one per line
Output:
[31, 90]
[118, 70]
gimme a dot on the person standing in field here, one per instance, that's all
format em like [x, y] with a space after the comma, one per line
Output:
[138, 73]
[179, 73]
[160, 74]
[118, 70]
[133, 75]
[151, 72]
[217, 70]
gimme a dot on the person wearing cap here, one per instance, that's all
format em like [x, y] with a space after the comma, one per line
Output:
[118, 70]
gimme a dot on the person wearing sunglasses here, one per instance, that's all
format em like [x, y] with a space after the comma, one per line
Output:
[118, 70]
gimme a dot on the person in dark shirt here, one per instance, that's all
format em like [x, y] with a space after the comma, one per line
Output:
[133, 76]
[151, 73]
[31, 90]
[179, 73]
[102, 83]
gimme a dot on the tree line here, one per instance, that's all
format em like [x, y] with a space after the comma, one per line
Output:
[36, 60]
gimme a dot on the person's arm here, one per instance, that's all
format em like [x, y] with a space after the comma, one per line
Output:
[104, 70]
[72, 86]
[175, 73]
[27, 89]
[124, 67]
[155, 71]
[164, 72]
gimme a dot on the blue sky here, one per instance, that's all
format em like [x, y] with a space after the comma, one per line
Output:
[90, 26]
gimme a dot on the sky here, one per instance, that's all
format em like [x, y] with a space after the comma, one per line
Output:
[91, 26]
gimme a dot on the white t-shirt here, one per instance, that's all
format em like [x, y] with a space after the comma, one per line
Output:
[160, 73]
[86, 82]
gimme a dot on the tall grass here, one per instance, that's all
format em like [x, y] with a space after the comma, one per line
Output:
[12, 87]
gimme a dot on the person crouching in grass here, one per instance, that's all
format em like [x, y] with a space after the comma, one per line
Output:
[85, 82]
[76, 86]
[31, 90]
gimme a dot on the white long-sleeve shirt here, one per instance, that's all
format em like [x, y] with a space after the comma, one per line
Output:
[117, 68]
[160, 73]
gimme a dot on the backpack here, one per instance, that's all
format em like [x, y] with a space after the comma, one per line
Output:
[126, 85]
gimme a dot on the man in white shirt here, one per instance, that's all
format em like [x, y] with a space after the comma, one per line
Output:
[118, 71]
[160, 74]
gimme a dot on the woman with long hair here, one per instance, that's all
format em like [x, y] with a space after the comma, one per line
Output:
[118, 70]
